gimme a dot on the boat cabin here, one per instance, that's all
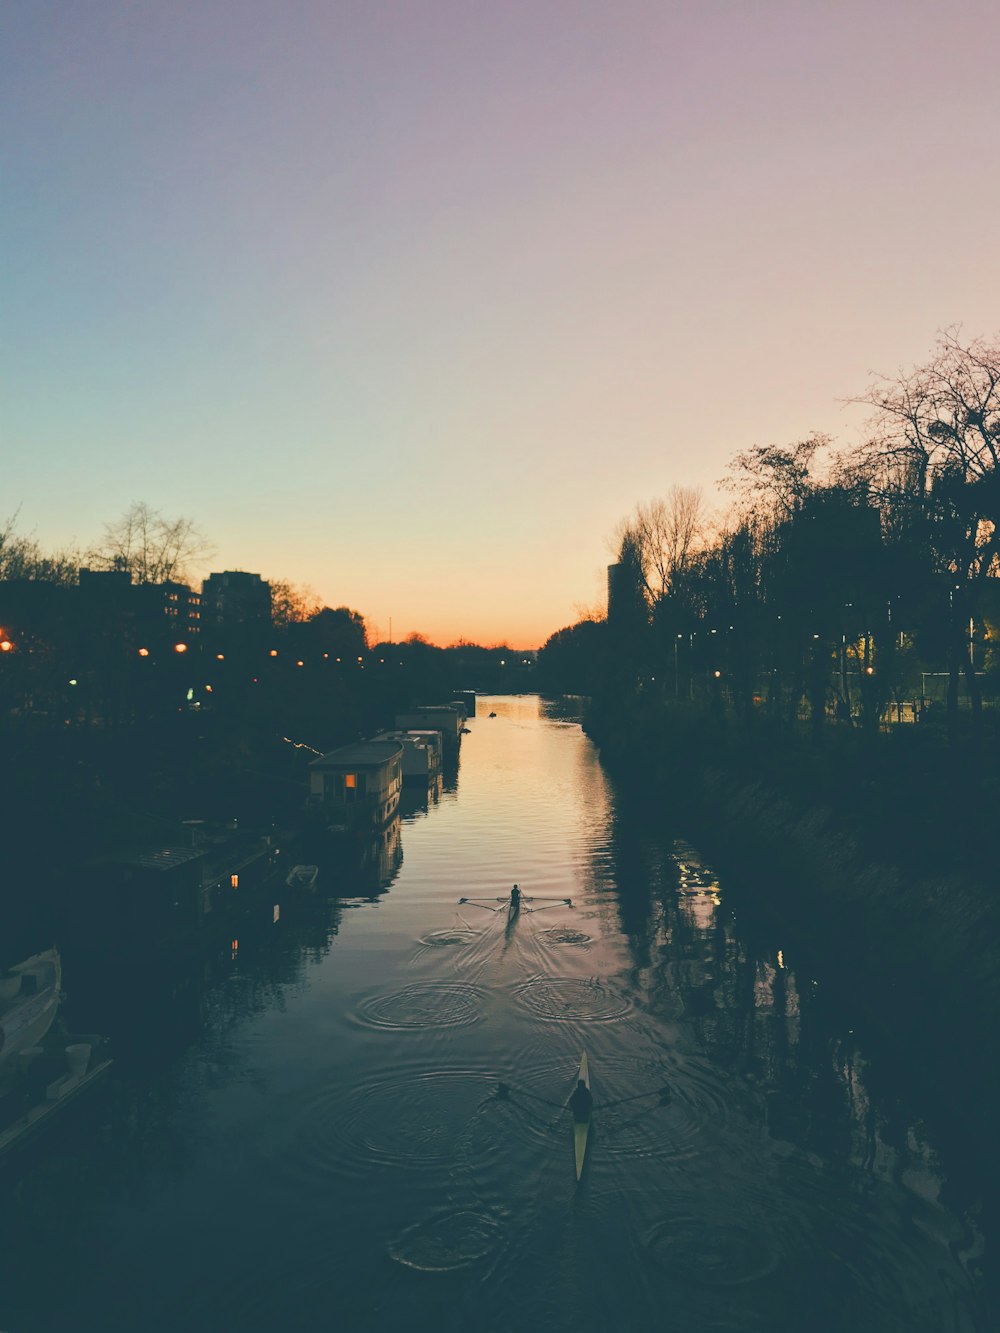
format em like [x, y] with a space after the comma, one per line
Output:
[446, 718]
[357, 786]
[422, 751]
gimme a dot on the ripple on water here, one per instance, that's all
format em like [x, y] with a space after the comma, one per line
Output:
[447, 1241]
[560, 935]
[428, 1004]
[711, 1253]
[635, 1125]
[345, 1132]
[563, 999]
[457, 935]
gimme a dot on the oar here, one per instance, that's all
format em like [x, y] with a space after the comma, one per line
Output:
[472, 903]
[504, 1091]
[547, 898]
[662, 1093]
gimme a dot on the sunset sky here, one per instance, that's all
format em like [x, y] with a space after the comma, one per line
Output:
[412, 302]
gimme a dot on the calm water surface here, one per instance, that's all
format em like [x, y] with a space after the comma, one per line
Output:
[306, 1133]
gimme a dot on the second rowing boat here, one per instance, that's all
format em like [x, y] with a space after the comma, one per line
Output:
[581, 1128]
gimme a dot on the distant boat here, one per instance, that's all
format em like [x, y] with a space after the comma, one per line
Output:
[492, 715]
[303, 878]
[29, 999]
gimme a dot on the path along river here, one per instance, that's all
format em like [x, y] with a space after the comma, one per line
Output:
[307, 1134]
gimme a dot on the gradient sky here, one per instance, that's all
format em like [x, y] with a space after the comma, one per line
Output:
[412, 302]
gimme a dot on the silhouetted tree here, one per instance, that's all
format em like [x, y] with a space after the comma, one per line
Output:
[572, 661]
[151, 548]
[935, 447]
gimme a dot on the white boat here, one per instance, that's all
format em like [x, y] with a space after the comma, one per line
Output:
[29, 999]
[581, 1128]
[302, 878]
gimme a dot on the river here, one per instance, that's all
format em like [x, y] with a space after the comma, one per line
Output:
[307, 1131]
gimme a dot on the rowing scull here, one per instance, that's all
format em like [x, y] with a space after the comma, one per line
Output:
[581, 1128]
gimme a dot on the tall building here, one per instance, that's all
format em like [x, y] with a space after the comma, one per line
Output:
[236, 611]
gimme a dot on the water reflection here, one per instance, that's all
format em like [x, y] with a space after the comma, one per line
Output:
[306, 1123]
[364, 867]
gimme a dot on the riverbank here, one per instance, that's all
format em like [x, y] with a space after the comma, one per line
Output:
[875, 854]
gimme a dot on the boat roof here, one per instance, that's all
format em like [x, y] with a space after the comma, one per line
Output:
[163, 858]
[362, 754]
[405, 734]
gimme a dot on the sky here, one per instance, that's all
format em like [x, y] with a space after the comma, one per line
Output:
[410, 303]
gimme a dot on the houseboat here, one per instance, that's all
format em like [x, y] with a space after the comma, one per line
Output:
[356, 788]
[422, 751]
[449, 719]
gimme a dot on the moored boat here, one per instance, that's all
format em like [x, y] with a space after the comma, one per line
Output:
[302, 878]
[28, 1002]
[355, 789]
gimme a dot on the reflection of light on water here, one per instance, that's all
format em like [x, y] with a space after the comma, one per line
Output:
[698, 892]
[698, 908]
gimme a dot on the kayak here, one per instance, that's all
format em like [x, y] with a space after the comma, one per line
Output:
[581, 1128]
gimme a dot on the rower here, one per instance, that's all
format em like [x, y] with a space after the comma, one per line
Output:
[515, 898]
[581, 1102]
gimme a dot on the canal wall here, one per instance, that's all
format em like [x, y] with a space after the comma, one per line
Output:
[903, 927]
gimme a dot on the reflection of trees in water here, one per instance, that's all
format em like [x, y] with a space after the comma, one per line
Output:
[750, 1010]
[140, 1129]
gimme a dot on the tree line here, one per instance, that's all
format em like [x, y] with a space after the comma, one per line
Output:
[840, 579]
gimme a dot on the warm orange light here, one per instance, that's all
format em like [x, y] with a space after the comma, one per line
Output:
[6, 646]
[234, 881]
[220, 657]
[869, 671]
[350, 780]
[273, 652]
[143, 652]
[300, 663]
[716, 674]
[180, 647]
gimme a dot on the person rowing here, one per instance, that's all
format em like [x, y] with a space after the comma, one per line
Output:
[581, 1102]
[515, 899]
